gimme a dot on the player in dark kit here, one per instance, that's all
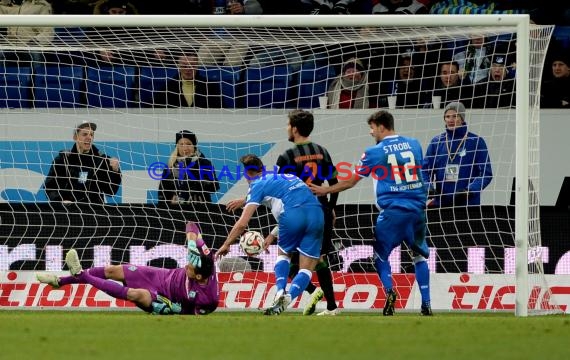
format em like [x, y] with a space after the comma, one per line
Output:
[313, 164]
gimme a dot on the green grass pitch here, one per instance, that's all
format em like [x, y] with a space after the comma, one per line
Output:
[248, 335]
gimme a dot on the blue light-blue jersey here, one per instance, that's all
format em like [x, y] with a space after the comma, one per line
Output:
[291, 190]
[395, 165]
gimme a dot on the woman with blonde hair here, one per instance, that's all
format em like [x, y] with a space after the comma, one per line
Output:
[189, 176]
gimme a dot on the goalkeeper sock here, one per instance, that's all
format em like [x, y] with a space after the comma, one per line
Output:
[107, 286]
[422, 277]
[385, 273]
[300, 282]
[98, 272]
[281, 271]
[65, 280]
[326, 282]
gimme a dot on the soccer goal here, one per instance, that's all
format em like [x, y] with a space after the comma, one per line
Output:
[247, 73]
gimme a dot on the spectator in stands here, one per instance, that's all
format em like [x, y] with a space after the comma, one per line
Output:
[176, 7]
[114, 7]
[556, 91]
[498, 90]
[407, 86]
[350, 89]
[473, 60]
[385, 59]
[272, 7]
[188, 89]
[230, 53]
[236, 54]
[189, 176]
[275, 56]
[451, 87]
[426, 55]
[457, 166]
[316, 7]
[375, 59]
[480, 7]
[398, 7]
[25, 36]
[84, 7]
[83, 174]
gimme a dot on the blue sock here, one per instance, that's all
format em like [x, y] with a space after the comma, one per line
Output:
[422, 277]
[299, 283]
[385, 273]
[281, 273]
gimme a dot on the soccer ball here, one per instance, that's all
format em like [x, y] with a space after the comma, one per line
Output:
[251, 243]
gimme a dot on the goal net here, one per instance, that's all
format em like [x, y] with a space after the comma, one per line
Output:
[231, 81]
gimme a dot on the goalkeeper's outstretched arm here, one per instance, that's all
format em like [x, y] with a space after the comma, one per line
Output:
[195, 244]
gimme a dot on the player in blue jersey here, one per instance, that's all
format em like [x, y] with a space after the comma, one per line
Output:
[301, 224]
[395, 163]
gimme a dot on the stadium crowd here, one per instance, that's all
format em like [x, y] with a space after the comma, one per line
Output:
[478, 71]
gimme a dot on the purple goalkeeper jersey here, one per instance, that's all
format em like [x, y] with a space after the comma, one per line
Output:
[195, 298]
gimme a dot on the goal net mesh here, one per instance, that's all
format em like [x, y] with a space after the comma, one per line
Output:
[233, 88]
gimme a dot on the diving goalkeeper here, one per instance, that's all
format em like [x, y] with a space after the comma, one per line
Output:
[192, 290]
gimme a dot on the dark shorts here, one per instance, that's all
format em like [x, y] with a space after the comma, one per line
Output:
[327, 246]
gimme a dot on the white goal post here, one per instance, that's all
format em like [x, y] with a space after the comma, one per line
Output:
[317, 32]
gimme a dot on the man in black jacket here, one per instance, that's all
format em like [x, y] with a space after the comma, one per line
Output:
[188, 89]
[83, 174]
[497, 90]
[556, 90]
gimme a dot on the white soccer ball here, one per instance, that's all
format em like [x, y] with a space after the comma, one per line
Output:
[251, 243]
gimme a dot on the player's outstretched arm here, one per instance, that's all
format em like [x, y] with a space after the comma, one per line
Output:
[195, 244]
[194, 254]
[237, 230]
[235, 204]
[336, 188]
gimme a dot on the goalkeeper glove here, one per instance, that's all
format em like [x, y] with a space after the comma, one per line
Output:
[194, 254]
[163, 306]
